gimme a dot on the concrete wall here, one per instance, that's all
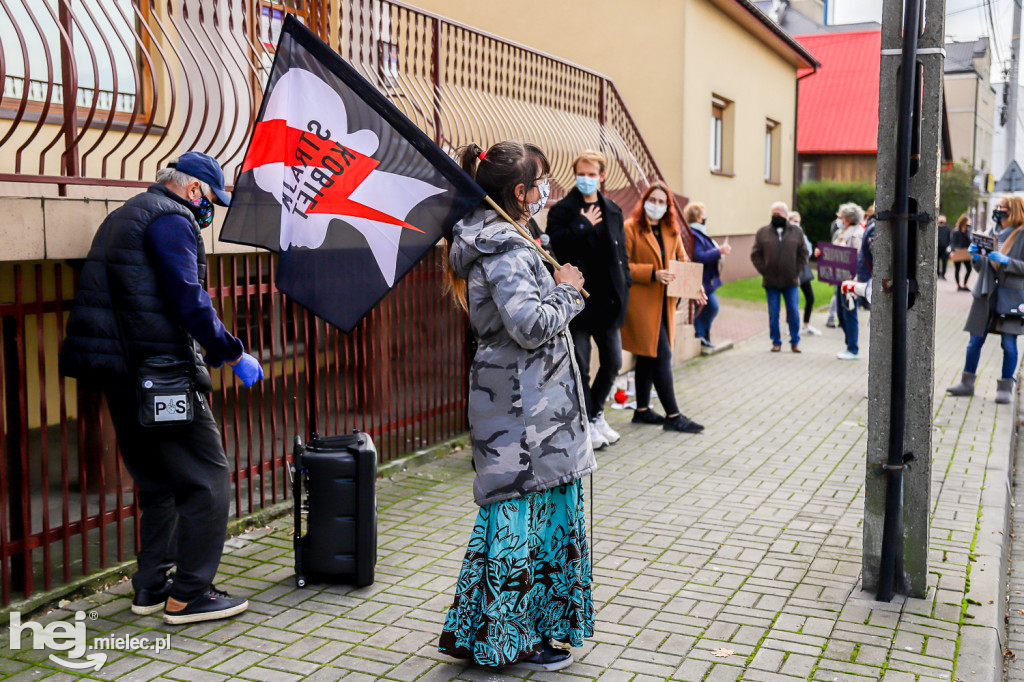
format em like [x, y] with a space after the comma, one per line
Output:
[58, 228]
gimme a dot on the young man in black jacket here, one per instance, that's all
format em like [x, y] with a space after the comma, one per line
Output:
[586, 230]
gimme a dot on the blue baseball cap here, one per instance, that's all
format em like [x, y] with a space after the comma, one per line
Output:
[205, 168]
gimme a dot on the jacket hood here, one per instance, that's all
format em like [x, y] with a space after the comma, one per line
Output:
[481, 233]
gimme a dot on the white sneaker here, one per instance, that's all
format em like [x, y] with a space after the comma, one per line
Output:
[597, 440]
[847, 355]
[599, 424]
[811, 331]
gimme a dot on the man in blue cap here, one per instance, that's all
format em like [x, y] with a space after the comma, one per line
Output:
[141, 294]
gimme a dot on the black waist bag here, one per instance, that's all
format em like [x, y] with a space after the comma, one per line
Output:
[165, 386]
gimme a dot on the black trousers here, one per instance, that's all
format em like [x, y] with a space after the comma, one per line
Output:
[609, 356]
[956, 271]
[808, 290]
[184, 491]
[657, 371]
[943, 262]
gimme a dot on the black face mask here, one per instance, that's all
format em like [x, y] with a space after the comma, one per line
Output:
[704, 221]
[778, 221]
[999, 215]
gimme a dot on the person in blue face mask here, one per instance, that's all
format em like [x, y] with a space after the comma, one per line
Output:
[586, 230]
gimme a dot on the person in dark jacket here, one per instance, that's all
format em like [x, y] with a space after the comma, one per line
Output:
[780, 254]
[709, 253]
[999, 270]
[960, 239]
[586, 231]
[943, 239]
[142, 293]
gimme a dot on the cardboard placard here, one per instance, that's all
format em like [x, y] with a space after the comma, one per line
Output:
[960, 255]
[688, 279]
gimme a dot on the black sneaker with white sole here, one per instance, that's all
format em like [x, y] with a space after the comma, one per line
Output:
[548, 659]
[212, 605]
[146, 602]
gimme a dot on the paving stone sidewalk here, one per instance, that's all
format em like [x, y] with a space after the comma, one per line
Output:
[730, 555]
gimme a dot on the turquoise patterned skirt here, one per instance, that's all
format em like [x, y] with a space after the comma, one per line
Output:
[525, 578]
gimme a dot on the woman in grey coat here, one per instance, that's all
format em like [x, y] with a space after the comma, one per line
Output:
[526, 577]
[999, 269]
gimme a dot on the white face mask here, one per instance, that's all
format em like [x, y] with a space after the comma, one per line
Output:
[545, 191]
[655, 211]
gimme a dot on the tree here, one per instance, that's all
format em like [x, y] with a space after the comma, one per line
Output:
[956, 191]
[818, 200]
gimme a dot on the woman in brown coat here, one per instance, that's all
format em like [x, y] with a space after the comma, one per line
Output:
[652, 239]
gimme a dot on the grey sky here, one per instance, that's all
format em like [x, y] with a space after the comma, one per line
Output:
[965, 20]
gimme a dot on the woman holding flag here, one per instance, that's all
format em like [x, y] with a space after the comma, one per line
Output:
[525, 580]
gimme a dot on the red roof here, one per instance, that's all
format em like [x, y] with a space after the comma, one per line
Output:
[838, 109]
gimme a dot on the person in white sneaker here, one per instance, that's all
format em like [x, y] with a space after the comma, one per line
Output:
[850, 235]
[806, 283]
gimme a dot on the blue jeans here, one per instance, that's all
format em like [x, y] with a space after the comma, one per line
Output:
[791, 295]
[848, 321]
[1009, 344]
[702, 323]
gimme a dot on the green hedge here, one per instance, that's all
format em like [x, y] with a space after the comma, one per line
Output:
[819, 200]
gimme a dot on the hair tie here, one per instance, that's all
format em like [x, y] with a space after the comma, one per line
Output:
[482, 155]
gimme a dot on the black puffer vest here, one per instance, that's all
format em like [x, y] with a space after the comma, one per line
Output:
[93, 351]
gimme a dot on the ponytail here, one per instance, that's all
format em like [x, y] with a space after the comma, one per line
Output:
[470, 157]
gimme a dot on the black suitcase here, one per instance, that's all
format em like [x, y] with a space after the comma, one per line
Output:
[334, 489]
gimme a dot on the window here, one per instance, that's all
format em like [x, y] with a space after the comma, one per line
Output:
[808, 171]
[772, 149]
[721, 135]
[716, 137]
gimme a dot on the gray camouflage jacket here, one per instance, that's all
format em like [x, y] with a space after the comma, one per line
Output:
[527, 427]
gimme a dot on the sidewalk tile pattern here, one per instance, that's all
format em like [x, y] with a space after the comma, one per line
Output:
[729, 555]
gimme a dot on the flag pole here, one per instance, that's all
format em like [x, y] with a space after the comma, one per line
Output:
[526, 235]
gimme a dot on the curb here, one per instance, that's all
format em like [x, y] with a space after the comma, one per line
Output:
[983, 631]
[98, 581]
[421, 457]
[102, 579]
[719, 348]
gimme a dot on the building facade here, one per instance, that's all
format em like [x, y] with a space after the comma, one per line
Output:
[711, 85]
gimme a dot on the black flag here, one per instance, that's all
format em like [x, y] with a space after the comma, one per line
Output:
[340, 183]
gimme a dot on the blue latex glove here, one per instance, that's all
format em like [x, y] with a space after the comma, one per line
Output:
[247, 369]
[998, 257]
[974, 251]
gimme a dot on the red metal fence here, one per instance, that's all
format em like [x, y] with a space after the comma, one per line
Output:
[66, 504]
[101, 93]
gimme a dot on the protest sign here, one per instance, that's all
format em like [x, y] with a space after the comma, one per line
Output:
[836, 264]
[688, 279]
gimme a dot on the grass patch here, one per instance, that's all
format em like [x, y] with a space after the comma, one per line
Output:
[751, 290]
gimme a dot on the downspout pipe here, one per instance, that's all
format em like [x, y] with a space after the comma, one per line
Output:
[899, 222]
[796, 131]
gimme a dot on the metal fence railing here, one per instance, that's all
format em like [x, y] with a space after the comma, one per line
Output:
[66, 503]
[102, 93]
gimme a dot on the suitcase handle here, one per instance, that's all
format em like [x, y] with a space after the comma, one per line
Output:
[296, 470]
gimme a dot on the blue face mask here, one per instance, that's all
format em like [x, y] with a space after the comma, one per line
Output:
[587, 185]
